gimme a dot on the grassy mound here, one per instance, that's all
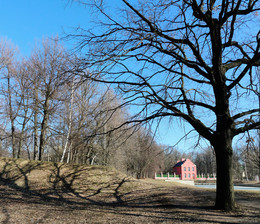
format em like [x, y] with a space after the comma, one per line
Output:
[39, 176]
[45, 192]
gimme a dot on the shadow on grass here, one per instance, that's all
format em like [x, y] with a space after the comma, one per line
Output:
[60, 184]
[80, 189]
[6, 214]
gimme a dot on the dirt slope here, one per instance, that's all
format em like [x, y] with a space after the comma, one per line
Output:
[40, 192]
[48, 176]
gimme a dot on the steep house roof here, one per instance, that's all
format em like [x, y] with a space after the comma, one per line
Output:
[179, 163]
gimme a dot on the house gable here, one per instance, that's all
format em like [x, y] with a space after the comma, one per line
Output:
[186, 169]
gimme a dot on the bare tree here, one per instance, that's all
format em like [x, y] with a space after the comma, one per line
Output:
[143, 156]
[171, 156]
[69, 121]
[206, 162]
[250, 155]
[187, 59]
[50, 67]
[23, 100]
[82, 148]
[34, 81]
[8, 72]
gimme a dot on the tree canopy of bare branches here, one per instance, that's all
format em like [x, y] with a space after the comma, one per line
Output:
[189, 59]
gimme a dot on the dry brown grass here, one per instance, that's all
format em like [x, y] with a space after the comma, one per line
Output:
[41, 192]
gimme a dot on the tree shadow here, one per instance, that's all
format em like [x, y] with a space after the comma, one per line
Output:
[66, 188]
[6, 214]
[61, 185]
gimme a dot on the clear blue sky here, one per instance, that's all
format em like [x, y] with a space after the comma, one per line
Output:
[26, 21]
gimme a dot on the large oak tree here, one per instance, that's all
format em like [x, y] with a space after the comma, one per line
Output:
[190, 59]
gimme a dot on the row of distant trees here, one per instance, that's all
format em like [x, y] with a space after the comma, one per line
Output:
[246, 166]
[246, 162]
[48, 113]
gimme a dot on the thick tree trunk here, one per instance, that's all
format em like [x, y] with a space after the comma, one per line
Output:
[25, 119]
[222, 143]
[225, 199]
[42, 137]
[13, 139]
[44, 126]
[19, 145]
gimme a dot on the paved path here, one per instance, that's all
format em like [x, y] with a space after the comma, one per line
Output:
[239, 187]
[241, 198]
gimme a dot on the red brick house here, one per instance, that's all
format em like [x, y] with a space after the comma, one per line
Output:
[185, 169]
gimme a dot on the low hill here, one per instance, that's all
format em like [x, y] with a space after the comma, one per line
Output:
[58, 193]
[49, 177]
